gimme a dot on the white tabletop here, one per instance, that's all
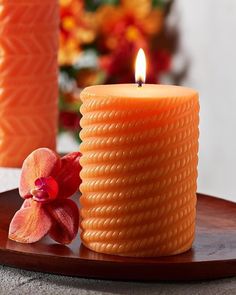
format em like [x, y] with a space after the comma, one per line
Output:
[16, 281]
[9, 178]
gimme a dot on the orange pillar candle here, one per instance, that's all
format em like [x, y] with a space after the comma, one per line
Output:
[139, 169]
[28, 77]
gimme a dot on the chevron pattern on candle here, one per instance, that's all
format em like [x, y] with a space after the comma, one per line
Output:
[28, 78]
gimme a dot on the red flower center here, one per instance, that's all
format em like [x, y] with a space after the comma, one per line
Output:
[45, 190]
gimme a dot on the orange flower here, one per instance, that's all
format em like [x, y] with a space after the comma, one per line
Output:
[117, 32]
[47, 181]
[75, 30]
[132, 23]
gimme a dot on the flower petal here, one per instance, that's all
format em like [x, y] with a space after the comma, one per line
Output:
[30, 223]
[26, 203]
[42, 162]
[65, 216]
[68, 178]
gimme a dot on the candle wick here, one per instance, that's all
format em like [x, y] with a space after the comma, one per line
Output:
[140, 83]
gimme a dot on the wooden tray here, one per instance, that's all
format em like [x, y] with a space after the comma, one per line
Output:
[212, 256]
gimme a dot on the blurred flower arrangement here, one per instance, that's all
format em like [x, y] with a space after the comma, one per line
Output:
[99, 40]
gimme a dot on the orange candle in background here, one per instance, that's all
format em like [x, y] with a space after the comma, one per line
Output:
[139, 169]
[28, 78]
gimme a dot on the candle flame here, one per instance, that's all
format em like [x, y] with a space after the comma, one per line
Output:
[140, 67]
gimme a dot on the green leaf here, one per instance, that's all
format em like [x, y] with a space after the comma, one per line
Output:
[92, 5]
[159, 3]
[77, 137]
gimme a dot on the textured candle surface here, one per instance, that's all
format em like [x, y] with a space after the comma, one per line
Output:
[28, 77]
[139, 169]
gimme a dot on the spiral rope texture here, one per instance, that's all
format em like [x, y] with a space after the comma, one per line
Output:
[139, 172]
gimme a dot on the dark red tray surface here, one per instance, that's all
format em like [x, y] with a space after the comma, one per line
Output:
[212, 256]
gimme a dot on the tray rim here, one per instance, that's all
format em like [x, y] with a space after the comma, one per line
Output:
[119, 263]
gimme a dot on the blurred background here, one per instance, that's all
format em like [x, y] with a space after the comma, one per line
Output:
[186, 42]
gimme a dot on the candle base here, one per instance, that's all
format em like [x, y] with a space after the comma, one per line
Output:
[144, 254]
